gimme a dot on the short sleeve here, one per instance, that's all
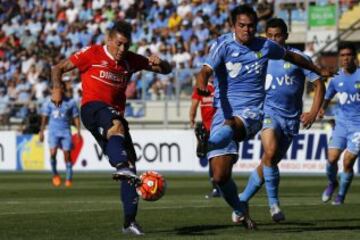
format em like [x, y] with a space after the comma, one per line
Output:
[82, 58]
[45, 109]
[330, 91]
[195, 95]
[216, 54]
[275, 51]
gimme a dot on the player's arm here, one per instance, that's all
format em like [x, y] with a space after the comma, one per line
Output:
[302, 62]
[309, 118]
[77, 125]
[202, 80]
[56, 75]
[44, 122]
[193, 110]
[158, 65]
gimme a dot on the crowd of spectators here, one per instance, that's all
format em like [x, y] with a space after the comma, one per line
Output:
[35, 34]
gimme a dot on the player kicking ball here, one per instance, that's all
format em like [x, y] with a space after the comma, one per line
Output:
[59, 117]
[345, 136]
[282, 116]
[105, 71]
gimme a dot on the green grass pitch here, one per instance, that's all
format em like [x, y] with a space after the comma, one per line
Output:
[30, 208]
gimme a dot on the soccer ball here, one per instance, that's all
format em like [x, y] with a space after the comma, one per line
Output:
[152, 186]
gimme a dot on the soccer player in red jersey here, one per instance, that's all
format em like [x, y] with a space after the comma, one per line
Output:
[105, 72]
[202, 130]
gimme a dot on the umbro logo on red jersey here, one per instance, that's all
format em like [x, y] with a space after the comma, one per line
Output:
[104, 63]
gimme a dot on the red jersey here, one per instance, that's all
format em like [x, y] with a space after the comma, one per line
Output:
[104, 79]
[206, 106]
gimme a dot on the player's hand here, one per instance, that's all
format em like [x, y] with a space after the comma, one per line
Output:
[203, 91]
[192, 123]
[56, 96]
[154, 60]
[326, 73]
[41, 136]
[307, 119]
[321, 113]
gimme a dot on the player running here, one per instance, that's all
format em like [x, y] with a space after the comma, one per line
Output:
[282, 116]
[202, 130]
[105, 72]
[346, 134]
[239, 64]
[59, 116]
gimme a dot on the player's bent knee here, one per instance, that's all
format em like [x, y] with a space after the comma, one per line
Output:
[117, 129]
[220, 178]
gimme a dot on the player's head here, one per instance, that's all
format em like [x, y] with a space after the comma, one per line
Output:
[276, 30]
[244, 21]
[119, 40]
[347, 55]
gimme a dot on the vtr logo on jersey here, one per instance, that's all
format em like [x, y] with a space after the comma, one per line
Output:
[283, 80]
[235, 68]
[348, 98]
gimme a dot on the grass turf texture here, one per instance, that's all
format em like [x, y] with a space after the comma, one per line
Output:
[30, 208]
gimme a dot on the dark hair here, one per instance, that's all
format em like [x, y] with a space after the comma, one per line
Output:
[243, 9]
[121, 27]
[277, 23]
[347, 45]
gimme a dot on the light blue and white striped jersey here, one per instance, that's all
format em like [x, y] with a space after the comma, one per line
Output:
[285, 86]
[240, 71]
[347, 86]
[60, 117]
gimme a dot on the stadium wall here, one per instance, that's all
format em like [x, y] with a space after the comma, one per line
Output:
[161, 150]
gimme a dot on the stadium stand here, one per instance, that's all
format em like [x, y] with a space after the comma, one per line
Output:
[36, 33]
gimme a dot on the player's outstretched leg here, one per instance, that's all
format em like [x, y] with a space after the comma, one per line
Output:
[130, 200]
[56, 179]
[345, 181]
[69, 174]
[331, 173]
[255, 182]
[115, 150]
[272, 180]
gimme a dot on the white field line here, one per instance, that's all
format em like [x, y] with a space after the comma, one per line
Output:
[175, 206]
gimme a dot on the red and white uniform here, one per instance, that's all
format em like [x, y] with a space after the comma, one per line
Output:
[104, 79]
[206, 106]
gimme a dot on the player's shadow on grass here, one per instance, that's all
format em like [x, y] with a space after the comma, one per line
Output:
[200, 229]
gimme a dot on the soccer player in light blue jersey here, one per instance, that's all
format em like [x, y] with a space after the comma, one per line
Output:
[239, 64]
[282, 116]
[346, 134]
[59, 119]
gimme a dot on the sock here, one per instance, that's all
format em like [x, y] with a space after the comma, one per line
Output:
[130, 200]
[253, 185]
[221, 137]
[53, 165]
[69, 171]
[230, 194]
[115, 150]
[345, 181]
[272, 179]
[331, 172]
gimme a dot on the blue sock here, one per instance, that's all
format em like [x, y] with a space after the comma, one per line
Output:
[230, 194]
[345, 181]
[331, 171]
[115, 150]
[53, 165]
[253, 185]
[272, 179]
[130, 200]
[69, 171]
[221, 138]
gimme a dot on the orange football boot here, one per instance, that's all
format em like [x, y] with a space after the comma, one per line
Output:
[56, 181]
[68, 183]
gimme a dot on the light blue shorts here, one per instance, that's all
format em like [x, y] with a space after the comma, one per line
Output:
[346, 136]
[60, 139]
[285, 129]
[252, 119]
